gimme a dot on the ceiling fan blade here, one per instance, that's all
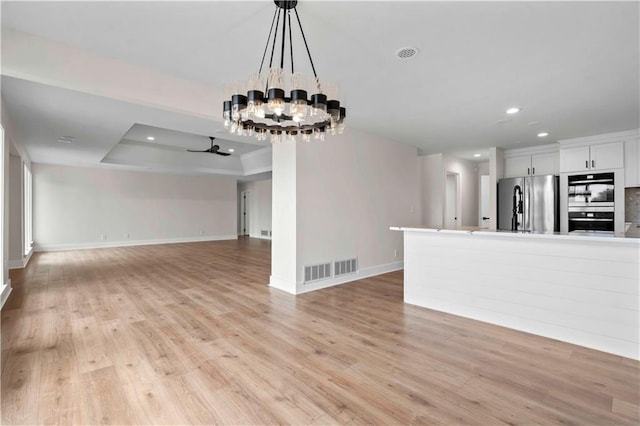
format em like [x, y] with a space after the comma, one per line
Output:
[193, 150]
[221, 153]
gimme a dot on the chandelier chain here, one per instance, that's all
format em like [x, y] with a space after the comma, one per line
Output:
[308, 52]
[290, 40]
[266, 46]
[284, 37]
[275, 36]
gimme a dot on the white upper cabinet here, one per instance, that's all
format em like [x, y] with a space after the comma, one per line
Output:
[523, 162]
[632, 163]
[545, 164]
[517, 166]
[575, 159]
[586, 154]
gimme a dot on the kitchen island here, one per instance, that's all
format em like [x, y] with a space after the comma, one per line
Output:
[578, 289]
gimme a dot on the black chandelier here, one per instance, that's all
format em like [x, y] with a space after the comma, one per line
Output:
[276, 114]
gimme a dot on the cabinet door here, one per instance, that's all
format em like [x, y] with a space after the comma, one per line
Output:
[607, 156]
[632, 163]
[517, 166]
[544, 164]
[575, 159]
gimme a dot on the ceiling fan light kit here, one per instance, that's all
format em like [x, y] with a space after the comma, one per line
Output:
[261, 106]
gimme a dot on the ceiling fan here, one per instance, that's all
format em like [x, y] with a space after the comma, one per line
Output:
[215, 149]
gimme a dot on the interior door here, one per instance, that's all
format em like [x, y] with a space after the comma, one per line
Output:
[485, 202]
[451, 210]
[244, 213]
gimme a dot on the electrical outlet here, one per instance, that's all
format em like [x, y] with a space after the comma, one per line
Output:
[126, 235]
[395, 253]
[103, 237]
[201, 232]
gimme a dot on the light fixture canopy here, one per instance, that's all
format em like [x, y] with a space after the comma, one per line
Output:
[279, 106]
[513, 110]
[543, 134]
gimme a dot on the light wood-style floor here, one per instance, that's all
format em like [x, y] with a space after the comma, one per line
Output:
[190, 333]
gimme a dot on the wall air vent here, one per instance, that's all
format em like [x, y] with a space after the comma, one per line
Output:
[343, 267]
[264, 233]
[317, 272]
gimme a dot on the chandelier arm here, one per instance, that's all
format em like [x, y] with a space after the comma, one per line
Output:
[307, 47]
[275, 36]
[266, 46]
[284, 33]
[290, 41]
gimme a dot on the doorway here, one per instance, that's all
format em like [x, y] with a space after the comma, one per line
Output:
[244, 212]
[452, 201]
[485, 202]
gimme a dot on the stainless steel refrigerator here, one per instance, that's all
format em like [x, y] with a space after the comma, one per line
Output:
[528, 204]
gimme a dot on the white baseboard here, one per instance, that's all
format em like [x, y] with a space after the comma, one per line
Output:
[301, 287]
[260, 237]
[360, 274]
[280, 284]
[20, 263]
[6, 291]
[129, 243]
[16, 264]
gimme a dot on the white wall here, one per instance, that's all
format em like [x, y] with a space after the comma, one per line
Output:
[483, 169]
[346, 192]
[432, 172]
[74, 207]
[12, 201]
[431, 187]
[5, 282]
[496, 172]
[260, 195]
[469, 194]
[16, 207]
[284, 242]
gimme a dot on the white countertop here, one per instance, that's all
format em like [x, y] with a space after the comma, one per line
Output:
[509, 234]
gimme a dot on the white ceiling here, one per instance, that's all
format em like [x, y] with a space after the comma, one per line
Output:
[572, 66]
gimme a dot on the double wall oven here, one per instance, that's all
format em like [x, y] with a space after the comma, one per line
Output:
[591, 203]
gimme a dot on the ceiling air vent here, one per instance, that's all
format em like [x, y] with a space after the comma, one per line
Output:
[406, 52]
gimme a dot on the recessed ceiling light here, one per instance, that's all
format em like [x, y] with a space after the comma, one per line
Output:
[514, 110]
[231, 150]
[476, 155]
[151, 138]
[543, 134]
[66, 139]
